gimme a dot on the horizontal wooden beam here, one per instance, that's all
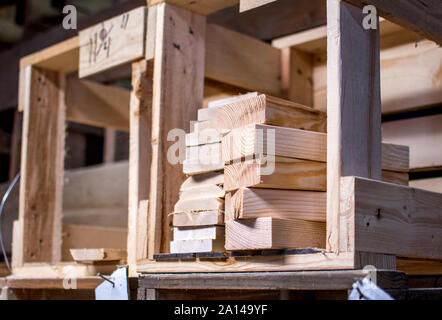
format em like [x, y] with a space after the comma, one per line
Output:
[422, 16]
[203, 7]
[98, 105]
[98, 255]
[392, 219]
[252, 4]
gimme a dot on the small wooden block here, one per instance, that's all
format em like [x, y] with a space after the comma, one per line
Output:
[113, 42]
[272, 233]
[203, 218]
[190, 246]
[199, 204]
[96, 255]
[198, 233]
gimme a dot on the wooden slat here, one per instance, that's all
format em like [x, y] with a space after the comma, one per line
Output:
[242, 61]
[395, 157]
[62, 57]
[276, 173]
[204, 7]
[113, 42]
[419, 266]
[176, 49]
[202, 218]
[41, 185]
[140, 154]
[251, 4]
[431, 184]
[422, 134]
[99, 254]
[273, 233]
[193, 246]
[265, 109]
[283, 204]
[20, 282]
[198, 233]
[395, 177]
[392, 219]
[422, 16]
[354, 134]
[98, 105]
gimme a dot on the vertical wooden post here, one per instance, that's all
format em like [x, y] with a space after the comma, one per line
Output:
[139, 156]
[353, 110]
[178, 89]
[42, 168]
[15, 146]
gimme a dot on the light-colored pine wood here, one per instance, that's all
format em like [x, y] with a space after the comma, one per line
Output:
[283, 204]
[203, 218]
[140, 157]
[204, 7]
[202, 165]
[392, 219]
[178, 56]
[97, 105]
[302, 262]
[61, 57]
[99, 254]
[265, 109]
[197, 181]
[276, 173]
[195, 246]
[423, 135]
[353, 134]
[431, 184]
[41, 188]
[209, 150]
[113, 42]
[251, 4]
[242, 61]
[273, 233]
[142, 227]
[258, 139]
[198, 233]
[199, 204]
[203, 191]
[200, 137]
[419, 266]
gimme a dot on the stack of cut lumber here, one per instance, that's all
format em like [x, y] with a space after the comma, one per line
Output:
[198, 218]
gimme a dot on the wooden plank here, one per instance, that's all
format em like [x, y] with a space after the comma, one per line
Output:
[212, 178]
[86, 236]
[421, 134]
[203, 191]
[142, 236]
[198, 233]
[113, 42]
[273, 233]
[303, 280]
[276, 173]
[191, 246]
[395, 177]
[99, 254]
[432, 184]
[20, 282]
[209, 150]
[258, 139]
[282, 204]
[395, 157]
[203, 7]
[420, 16]
[315, 261]
[242, 61]
[354, 134]
[177, 49]
[392, 219]
[265, 109]
[203, 218]
[419, 266]
[41, 187]
[252, 4]
[97, 105]
[62, 57]
[203, 165]
[140, 157]
[199, 204]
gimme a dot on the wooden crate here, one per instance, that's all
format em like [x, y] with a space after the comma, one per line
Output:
[180, 61]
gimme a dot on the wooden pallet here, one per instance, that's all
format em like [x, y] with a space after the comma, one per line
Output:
[167, 44]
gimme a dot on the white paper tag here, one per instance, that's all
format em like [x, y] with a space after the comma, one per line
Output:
[119, 291]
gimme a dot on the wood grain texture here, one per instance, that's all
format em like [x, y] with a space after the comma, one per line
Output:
[180, 48]
[265, 109]
[283, 204]
[392, 219]
[316, 261]
[202, 218]
[193, 246]
[432, 184]
[395, 157]
[354, 134]
[242, 61]
[273, 233]
[99, 254]
[258, 139]
[41, 188]
[97, 105]
[419, 266]
[422, 135]
[276, 173]
[140, 157]
[252, 4]
[402, 178]
[422, 16]
[203, 7]
[113, 42]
